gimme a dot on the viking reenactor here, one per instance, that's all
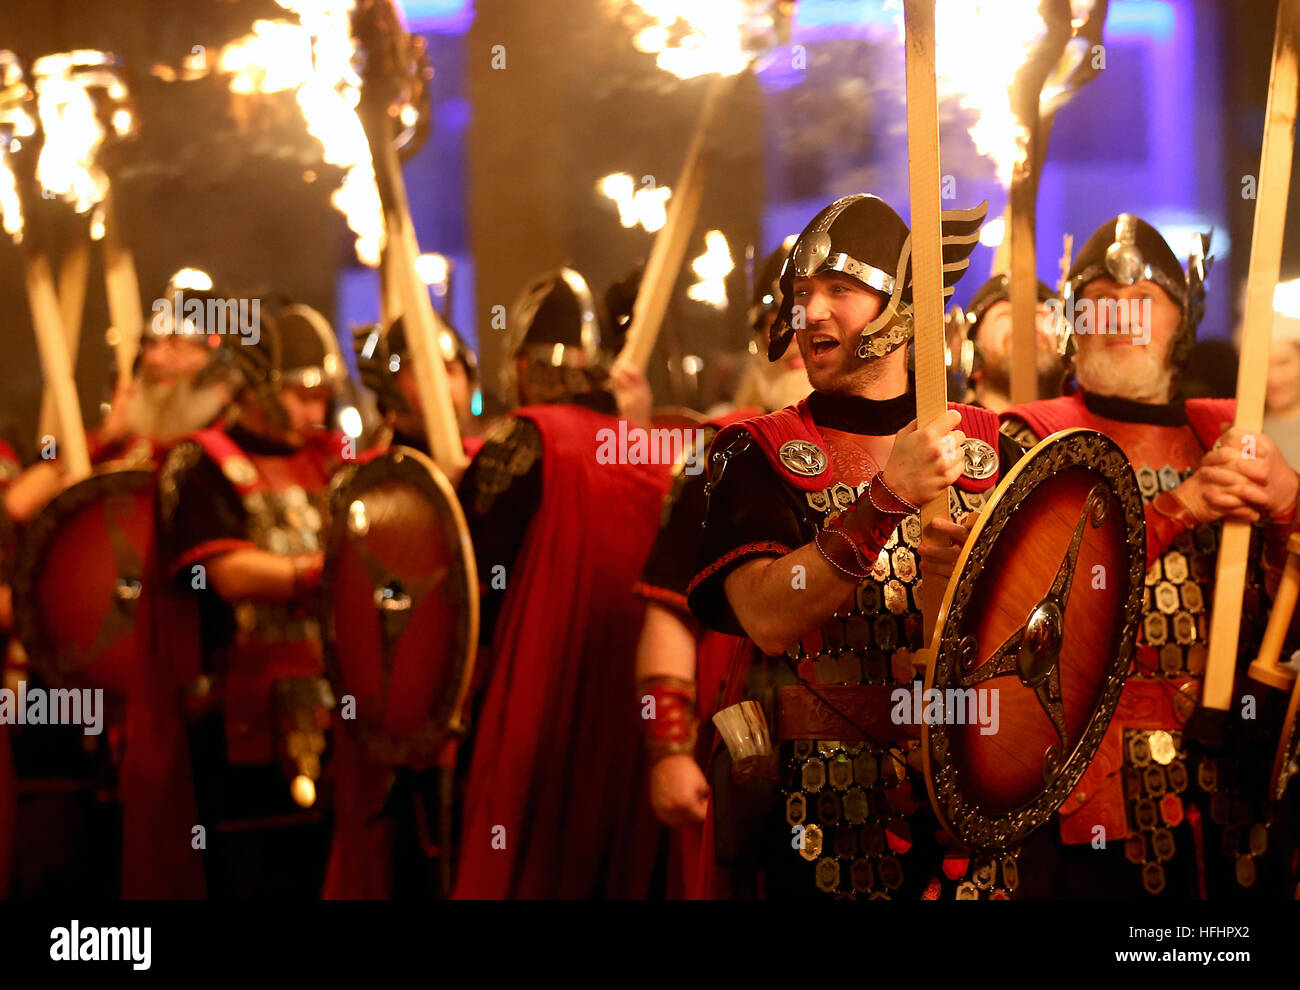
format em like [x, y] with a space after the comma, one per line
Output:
[680, 664]
[240, 512]
[92, 544]
[1151, 796]
[811, 552]
[562, 519]
[384, 366]
[769, 385]
[987, 322]
[177, 388]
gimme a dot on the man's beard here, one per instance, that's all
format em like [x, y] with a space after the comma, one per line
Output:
[1135, 373]
[996, 376]
[163, 412]
[772, 386]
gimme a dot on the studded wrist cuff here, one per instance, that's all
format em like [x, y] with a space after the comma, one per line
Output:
[671, 725]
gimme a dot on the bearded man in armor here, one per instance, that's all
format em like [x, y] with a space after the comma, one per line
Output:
[1165, 791]
[241, 514]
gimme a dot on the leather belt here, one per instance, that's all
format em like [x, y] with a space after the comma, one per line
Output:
[866, 708]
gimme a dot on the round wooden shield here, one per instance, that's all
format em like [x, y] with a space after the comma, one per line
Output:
[399, 606]
[1034, 639]
[79, 573]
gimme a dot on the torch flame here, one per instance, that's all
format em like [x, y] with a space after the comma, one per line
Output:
[314, 60]
[1002, 32]
[713, 267]
[15, 123]
[646, 206]
[691, 38]
[67, 165]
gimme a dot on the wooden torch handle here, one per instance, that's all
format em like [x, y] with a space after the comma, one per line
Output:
[669, 250]
[421, 321]
[1266, 667]
[927, 249]
[56, 366]
[1257, 330]
[122, 287]
[927, 252]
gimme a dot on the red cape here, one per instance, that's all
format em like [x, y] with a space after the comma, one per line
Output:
[156, 782]
[556, 804]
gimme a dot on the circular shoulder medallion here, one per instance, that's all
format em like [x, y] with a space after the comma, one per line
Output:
[980, 457]
[240, 470]
[803, 457]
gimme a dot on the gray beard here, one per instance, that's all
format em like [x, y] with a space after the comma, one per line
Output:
[1134, 373]
[163, 413]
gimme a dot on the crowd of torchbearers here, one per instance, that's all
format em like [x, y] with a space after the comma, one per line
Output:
[290, 634]
[626, 607]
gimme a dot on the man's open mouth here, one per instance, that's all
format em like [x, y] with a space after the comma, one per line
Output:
[824, 345]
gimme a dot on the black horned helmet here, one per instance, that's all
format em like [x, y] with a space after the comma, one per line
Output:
[1129, 250]
[862, 237]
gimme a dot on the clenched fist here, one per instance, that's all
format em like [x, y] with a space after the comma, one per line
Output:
[924, 462]
[679, 794]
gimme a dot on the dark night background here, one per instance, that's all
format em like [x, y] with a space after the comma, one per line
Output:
[505, 185]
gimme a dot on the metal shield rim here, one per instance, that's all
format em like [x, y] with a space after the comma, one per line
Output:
[1044, 460]
[341, 492]
[32, 550]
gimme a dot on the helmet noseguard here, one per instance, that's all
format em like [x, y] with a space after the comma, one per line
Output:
[1129, 250]
[861, 236]
[554, 322]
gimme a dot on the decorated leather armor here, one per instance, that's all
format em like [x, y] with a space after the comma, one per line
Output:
[857, 802]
